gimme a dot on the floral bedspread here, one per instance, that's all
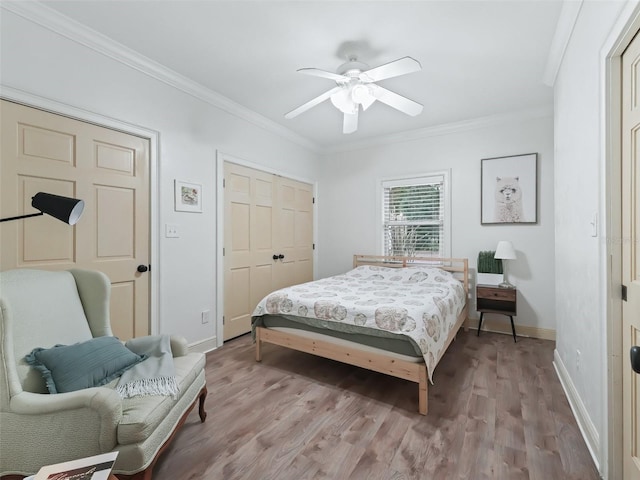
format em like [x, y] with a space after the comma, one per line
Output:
[422, 303]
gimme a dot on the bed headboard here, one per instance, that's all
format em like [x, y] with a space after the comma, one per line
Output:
[458, 266]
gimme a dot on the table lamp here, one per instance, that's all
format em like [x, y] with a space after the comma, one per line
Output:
[505, 251]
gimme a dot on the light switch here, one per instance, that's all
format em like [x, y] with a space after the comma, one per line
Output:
[171, 230]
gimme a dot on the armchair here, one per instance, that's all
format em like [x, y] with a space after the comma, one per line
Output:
[44, 308]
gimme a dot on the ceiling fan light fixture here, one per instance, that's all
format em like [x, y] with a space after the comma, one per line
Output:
[342, 101]
[363, 95]
[360, 93]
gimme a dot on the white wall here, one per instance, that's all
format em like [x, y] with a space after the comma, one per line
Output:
[348, 196]
[581, 280]
[44, 63]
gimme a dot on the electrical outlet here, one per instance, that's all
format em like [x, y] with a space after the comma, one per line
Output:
[171, 230]
[578, 360]
[205, 316]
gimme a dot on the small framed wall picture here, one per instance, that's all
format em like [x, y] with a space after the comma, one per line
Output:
[188, 196]
[509, 189]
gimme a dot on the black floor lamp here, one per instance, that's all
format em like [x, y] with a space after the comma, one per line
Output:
[65, 209]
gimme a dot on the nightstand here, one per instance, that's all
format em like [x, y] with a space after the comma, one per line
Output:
[493, 299]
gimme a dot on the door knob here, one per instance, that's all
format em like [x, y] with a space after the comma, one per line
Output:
[142, 268]
[275, 257]
[635, 359]
[281, 256]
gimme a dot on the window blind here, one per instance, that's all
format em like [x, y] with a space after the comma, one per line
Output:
[413, 216]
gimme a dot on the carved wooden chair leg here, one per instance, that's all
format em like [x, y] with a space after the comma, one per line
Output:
[201, 412]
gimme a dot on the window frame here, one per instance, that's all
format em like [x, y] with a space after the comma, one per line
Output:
[403, 180]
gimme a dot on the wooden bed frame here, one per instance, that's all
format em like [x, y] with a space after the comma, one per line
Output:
[379, 362]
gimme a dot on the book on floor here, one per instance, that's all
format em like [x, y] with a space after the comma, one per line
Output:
[97, 467]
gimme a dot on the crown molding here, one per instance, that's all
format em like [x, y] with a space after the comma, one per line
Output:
[52, 20]
[447, 129]
[564, 30]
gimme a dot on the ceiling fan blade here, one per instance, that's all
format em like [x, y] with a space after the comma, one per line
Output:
[397, 101]
[312, 103]
[398, 67]
[350, 123]
[315, 72]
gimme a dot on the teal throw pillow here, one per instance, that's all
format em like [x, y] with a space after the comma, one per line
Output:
[66, 368]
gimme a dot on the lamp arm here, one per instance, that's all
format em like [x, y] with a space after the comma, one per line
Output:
[21, 216]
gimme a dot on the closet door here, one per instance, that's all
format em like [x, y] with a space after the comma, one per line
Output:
[265, 216]
[249, 244]
[294, 235]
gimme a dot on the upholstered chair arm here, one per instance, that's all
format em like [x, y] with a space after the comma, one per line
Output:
[104, 400]
[65, 415]
[179, 346]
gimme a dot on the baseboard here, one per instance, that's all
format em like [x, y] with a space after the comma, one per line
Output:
[587, 428]
[497, 326]
[204, 346]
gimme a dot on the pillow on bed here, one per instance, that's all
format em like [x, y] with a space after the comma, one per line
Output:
[66, 368]
[421, 273]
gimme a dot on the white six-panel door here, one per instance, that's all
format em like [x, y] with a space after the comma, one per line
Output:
[265, 215]
[109, 170]
[631, 255]
[294, 235]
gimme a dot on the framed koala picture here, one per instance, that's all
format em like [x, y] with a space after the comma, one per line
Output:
[509, 189]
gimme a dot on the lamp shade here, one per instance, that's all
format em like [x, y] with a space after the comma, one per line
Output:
[505, 251]
[65, 209]
[342, 101]
[361, 94]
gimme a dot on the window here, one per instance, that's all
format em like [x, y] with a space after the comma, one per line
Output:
[415, 216]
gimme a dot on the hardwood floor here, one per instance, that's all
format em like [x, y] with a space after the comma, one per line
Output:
[496, 411]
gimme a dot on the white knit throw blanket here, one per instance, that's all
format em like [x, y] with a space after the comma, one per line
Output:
[153, 376]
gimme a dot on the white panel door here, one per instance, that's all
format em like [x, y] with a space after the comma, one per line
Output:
[109, 170]
[294, 233]
[631, 256]
[248, 245]
[268, 240]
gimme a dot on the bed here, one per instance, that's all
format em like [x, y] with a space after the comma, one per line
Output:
[394, 315]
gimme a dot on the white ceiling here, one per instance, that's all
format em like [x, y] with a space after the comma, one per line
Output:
[479, 58]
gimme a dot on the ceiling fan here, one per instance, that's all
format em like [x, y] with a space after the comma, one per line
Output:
[356, 87]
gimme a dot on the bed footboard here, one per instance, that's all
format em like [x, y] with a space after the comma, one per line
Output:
[415, 372]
